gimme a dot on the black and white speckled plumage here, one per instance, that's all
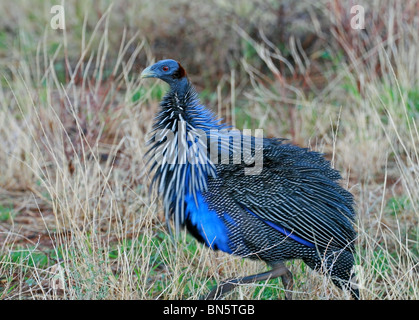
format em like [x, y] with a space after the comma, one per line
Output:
[296, 190]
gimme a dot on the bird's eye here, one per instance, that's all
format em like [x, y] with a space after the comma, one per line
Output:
[165, 68]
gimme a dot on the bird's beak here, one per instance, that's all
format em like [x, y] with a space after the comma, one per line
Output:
[148, 73]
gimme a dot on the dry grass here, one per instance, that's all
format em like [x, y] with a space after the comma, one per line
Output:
[76, 217]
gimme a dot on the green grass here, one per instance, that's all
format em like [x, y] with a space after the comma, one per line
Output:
[6, 213]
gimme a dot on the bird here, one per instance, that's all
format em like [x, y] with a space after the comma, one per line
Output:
[247, 195]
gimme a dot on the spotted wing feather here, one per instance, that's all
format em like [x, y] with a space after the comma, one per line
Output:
[298, 190]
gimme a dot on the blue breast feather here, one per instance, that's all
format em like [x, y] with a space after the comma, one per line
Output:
[210, 226]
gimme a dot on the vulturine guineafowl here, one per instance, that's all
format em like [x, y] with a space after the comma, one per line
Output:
[285, 205]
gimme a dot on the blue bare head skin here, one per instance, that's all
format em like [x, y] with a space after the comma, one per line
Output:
[168, 70]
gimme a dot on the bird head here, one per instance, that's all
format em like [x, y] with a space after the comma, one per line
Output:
[168, 70]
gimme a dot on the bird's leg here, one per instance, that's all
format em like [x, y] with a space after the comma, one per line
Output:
[287, 281]
[278, 270]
